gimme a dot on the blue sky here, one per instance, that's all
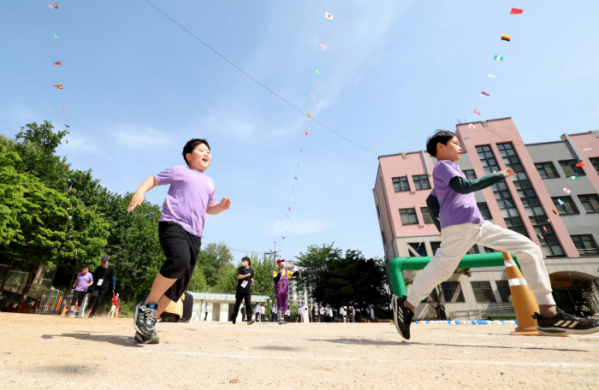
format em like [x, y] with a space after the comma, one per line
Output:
[137, 87]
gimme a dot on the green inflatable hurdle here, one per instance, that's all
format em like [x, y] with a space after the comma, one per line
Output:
[400, 264]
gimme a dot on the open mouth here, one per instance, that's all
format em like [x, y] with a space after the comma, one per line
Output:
[205, 160]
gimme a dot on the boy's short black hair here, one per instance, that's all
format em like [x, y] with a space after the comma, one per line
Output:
[85, 266]
[440, 137]
[191, 145]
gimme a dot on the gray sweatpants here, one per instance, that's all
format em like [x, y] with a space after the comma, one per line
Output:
[457, 241]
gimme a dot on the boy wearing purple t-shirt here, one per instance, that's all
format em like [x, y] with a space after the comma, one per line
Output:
[83, 282]
[461, 225]
[190, 197]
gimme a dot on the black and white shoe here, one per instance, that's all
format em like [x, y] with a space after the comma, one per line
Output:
[141, 339]
[145, 320]
[563, 323]
[402, 316]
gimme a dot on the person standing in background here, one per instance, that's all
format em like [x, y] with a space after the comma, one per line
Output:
[320, 313]
[206, 310]
[105, 280]
[274, 312]
[245, 279]
[262, 312]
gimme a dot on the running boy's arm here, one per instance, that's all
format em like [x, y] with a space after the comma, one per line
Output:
[138, 197]
[216, 208]
[465, 186]
[434, 209]
[276, 276]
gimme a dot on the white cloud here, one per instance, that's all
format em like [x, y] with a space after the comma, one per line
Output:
[139, 136]
[81, 143]
[296, 227]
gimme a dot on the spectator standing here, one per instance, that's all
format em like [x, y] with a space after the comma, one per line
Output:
[320, 313]
[262, 312]
[314, 312]
[257, 312]
[288, 315]
[342, 314]
[114, 310]
[105, 280]
[300, 312]
[274, 312]
[206, 310]
[83, 282]
[371, 309]
[442, 313]
[245, 279]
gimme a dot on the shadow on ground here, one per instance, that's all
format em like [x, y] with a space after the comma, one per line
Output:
[123, 341]
[408, 343]
[279, 348]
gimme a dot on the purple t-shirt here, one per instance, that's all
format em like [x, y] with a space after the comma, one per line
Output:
[188, 197]
[456, 208]
[83, 281]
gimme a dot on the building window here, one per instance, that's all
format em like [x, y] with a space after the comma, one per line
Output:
[470, 174]
[570, 168]
[400, 184]
[483, 292]
[565, 205]
[421, 182]
[509, 212]
[532, 205]
[408, 216]
[452, 292]
[426, 215]
[384, 239]
[434, 246]
[595, 162]
[473, 250]
[484, 210]
[585, 244]
[418, 248]
[503, 287]
[546, 170]
[489, 250]
[590, 202]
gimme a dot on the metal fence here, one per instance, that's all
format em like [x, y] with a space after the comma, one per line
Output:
[51, 302]
[480, 314]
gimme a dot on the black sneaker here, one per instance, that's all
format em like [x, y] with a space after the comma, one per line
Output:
[141, 339]
[145, 319]
[564, 323]
[402, 316]
[251, 321]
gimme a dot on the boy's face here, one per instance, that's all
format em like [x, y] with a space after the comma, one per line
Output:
[84, 270]
[200, 158]
[452, 151]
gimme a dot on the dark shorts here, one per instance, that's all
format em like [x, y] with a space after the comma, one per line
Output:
[181, 250]
[78, 297]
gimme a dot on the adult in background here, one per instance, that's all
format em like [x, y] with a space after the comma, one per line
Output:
[206, 310]
[105, 280]
[83, 282]
[313, 312]
[442, 313]
[320, 313]
[300, 312]
[245, 278]
[274, 312]
[342, 314]
[262, 312]
[257, 312]
[281, 278]
[371, 310]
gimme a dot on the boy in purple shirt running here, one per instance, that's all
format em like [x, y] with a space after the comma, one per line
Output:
[190, 197]
[461, 225]
[83, 282]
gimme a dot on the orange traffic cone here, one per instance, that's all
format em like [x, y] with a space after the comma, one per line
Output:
[64, 309]
[525, 304]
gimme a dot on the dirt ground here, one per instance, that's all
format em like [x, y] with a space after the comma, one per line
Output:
[51, 352]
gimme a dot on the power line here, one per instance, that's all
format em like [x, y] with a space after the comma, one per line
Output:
[258, 82]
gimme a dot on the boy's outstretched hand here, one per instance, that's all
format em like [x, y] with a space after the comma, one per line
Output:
[508, 172]
[225, 204]
[136, 200]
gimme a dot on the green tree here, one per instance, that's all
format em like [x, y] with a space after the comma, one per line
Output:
[44, 226]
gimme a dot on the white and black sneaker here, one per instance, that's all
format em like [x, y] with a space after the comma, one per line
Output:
[563, 323]
[402, 316]
[144, 320]
[141, 339]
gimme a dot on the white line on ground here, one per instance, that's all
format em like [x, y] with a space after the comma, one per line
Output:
[539, 364]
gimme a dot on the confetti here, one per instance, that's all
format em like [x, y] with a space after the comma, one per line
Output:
[56, 36]
[555, 212]
[67, 126]
[466, 138]
[289, 208]
[328, 15]
[318, 72]
[313, 95]
[491, 76]
[67, 141]
[567, 191]
[506, 38]
[471, 126]
[516, 11]
[298, 165]
[541, 236]
[585, 149]
[296, 178]
[579, 164]
[293, 199]
[483, 93]
[57, 63]
[305, 132]
[55, 6]
[283, 239]
[301, 150]
[476, 111]
[308, 114]
[323, 46]
[498, 58]
[561, 202]
[544, 228]
[58, 86]
[574, 177]
[62, 109]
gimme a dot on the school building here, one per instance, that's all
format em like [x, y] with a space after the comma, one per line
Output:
[553, 200]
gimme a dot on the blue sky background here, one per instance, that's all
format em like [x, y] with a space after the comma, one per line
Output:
[137, 87]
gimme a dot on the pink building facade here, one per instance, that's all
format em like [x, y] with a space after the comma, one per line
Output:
[553, 200]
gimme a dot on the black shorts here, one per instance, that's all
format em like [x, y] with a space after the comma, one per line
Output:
[78, 297]
[181, 249]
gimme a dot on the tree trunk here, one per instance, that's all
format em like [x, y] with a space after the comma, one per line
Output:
[30, 280]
